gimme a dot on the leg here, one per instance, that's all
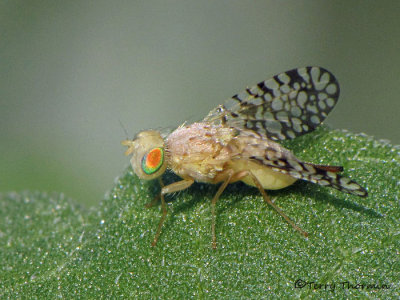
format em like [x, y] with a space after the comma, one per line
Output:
[171, 188]
[156, 198]
[268, 201]
[214, 202]
[177, 186]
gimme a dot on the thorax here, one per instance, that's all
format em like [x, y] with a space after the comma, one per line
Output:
[200, 150]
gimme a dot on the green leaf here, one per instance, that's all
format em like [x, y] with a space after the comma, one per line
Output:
[53, 248]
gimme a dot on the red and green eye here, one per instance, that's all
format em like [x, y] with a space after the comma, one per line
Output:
[153, 160]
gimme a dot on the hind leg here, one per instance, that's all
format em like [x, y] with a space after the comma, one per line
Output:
[268, 201]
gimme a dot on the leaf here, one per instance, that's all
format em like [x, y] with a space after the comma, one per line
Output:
[52, 248]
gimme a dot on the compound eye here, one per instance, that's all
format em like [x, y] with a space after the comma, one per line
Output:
[153, 161]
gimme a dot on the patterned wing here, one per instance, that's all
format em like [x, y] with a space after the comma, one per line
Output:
[288, 105]
[319, 174]
[279, 159]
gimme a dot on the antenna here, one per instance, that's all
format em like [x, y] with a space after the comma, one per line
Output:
[123, 127]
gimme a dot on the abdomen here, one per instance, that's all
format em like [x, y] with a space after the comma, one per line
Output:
[268, 178]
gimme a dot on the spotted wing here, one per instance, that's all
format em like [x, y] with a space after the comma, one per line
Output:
[319, 174]
[281, 160]
[288, 105]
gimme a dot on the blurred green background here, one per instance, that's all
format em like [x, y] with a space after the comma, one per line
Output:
[71, 71]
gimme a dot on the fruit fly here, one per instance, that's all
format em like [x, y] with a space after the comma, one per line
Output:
[237, 141]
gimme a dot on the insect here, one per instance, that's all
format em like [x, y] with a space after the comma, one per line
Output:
[237, 141]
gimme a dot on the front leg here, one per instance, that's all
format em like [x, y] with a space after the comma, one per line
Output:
[177, 186]
[156, 198]
[171, 188]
